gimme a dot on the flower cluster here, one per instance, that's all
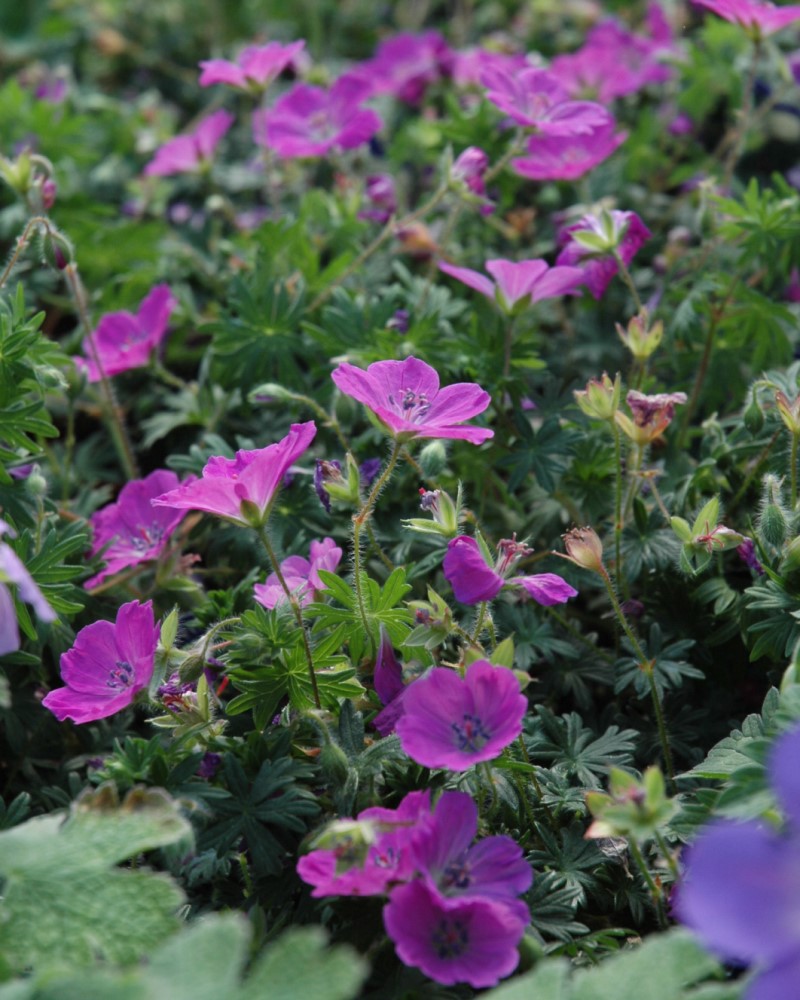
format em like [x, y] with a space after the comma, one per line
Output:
[453, 909]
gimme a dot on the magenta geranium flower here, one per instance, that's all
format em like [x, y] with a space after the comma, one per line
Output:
[187, 153]
[454, 722]
[494, 868]
[312, 121]
[757, 17]
[406, 398]
[301, 575]
[463, 941]
[566, 158]
[519, 284]
[344, 871]
[255, 69]
[13, 571]
[535, 99]
[242, 489]
[473, 580]
[615, 62]
[466, 67]
[131, 530]
[405, 65]
[389, 686]
[107, 666]
[123, 341]
[593, 242]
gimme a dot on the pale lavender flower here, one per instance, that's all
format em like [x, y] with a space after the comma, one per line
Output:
[123, 341]
[131, 530]
[13, 571]
[454, 722]
[187, 153]
[301, 575]
[312, 121]
[242, 489]
[519, 284]
[406, 398]
[108, 665]
[741, 891]
[255, 69]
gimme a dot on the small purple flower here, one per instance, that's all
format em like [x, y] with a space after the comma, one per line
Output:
[468, 172]
[311, 121]
[123, 341]
[593, 242]
[301, 575]
[519, 284]
[209, 765]
[454, 722]
[740, 893]
[405, 65]
[131, 531]
[255, 68]
[406, 398]
[12, 571]
[107, 666]
[368, 471]
[467, 67]
[566, 158]
[325, 471]
[453, 941]
[381, 193]
[399, 321]
[535, 99]
[346, 870]
[389, 686]
[242, 489]
[473, 580]
[747, 553]
[187, 153]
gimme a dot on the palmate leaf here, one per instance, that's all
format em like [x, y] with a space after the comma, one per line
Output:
[544, 453]
[264, 813]
[64, 902]
[206, 962]
[570, 748]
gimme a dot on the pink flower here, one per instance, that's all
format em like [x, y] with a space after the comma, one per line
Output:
[389, 686]
[107, 666]
[301, 575]
[534, 98]
[344, 871]
[382, 196]
[467, 67]
[406, 398]
[454, 722]
[757, 17]
[593, 242]
[405, 65]
[130, 530]
[473, 580]
[242, 489]
[256, 68]
[12, 570]
[519, 284]
[566, 158]
[123, 341]
[311, 121]
[190, 152]
[614, 62]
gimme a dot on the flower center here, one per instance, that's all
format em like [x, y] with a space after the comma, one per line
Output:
[470, 734]
[121, 677]
[413, 406]
[457, 875]
[147, 538]
[450, 938]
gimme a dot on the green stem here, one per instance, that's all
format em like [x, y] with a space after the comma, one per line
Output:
[746, 117]
[535, 782]
[655, 891]
[508, 341]
[359, 521]
[625, 274]
[633, 488]
[481, 618]
[516, 147]
[669, 857]
[793, 471]
[383, 236]
[617, 503]
[296, 610]
[647, 666]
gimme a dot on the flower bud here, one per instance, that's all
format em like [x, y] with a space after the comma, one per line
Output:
[640, 338]
[789, 411]
[754, 415]
[773, 520]
[585, 549]
[433, 458]
[444, 512]
[600, 399]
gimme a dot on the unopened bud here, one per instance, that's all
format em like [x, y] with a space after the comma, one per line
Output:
[585, 549]
[600, 398]
[789, 411]
[639, 337]
[432, 459]
[754, 415]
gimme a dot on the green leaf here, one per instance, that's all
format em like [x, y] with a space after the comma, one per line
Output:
[65, 904]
